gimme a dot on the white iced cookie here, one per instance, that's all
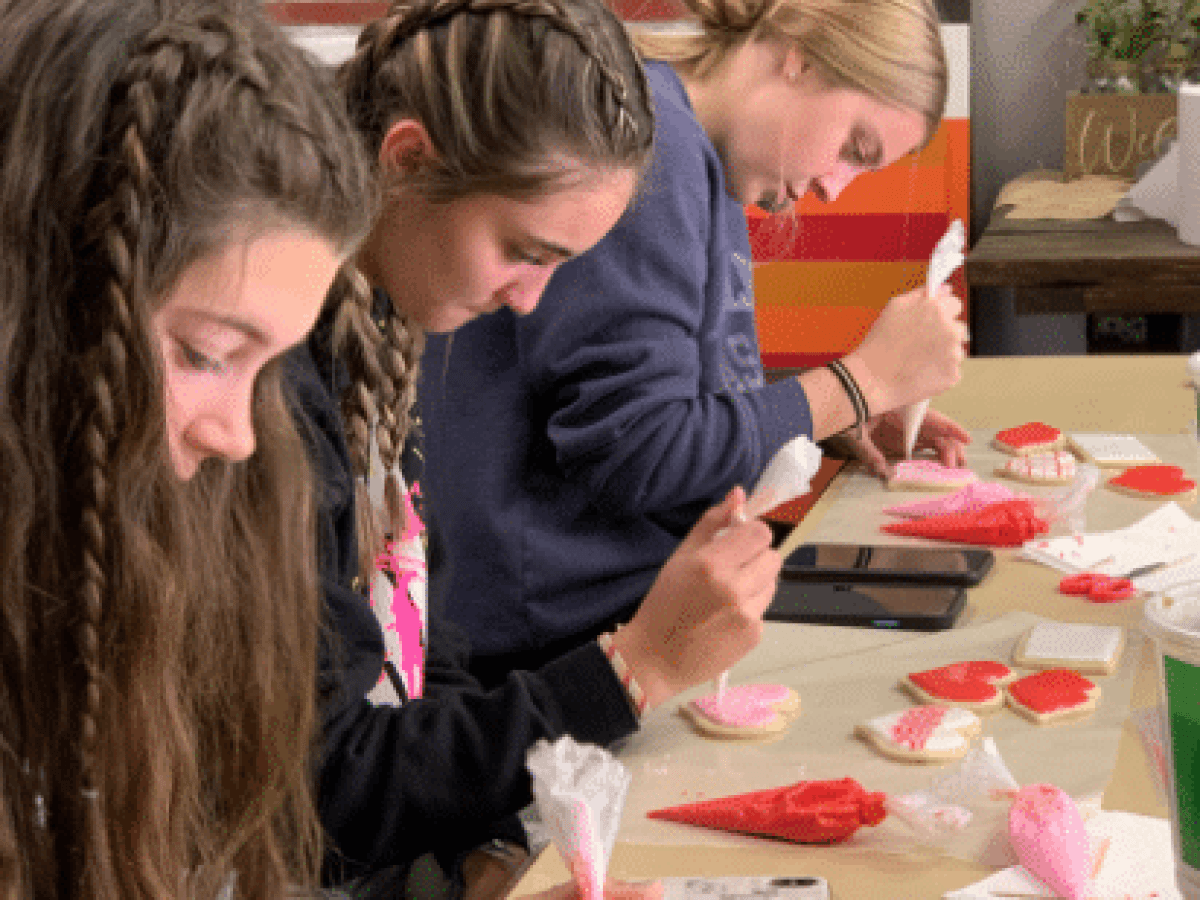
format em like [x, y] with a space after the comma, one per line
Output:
[1111, 449]
[744, 711]
[1093, 649]
[1041, 468]
[922, 733]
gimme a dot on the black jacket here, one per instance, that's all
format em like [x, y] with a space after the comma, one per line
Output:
[446, 772]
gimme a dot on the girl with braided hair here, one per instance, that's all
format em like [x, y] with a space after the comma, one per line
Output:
[635, 395]
[177, 192]
[509, 136]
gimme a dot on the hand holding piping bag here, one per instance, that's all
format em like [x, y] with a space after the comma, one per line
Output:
[947, 256]
[789, 475]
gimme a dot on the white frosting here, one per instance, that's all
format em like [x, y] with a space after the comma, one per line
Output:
[1062, 640]
[1056, 466]
[1123, 448]
[947, 737]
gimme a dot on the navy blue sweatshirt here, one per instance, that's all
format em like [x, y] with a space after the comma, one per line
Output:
[447, 772]
[569, 450]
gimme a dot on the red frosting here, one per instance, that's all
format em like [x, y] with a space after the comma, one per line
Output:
[966, 682]
[914, 726]
[809, 812]
[1161, 480]
[1050, 691]
[1028, 434]
[1009, 523]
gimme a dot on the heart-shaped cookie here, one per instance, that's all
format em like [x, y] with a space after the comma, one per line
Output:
[1154, 481]
[1032, 437]
[922, 733]
[971, 685]
[744, 711]
[1053, 694]
[1041, 468]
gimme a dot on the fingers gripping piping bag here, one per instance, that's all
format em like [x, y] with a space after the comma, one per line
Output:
[947, 256]
[580, 790]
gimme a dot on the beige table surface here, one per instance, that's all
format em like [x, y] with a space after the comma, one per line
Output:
[1133, 394]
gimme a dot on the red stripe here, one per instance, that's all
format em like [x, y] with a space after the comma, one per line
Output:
[866, 237]
[798, 360]
[358, 12]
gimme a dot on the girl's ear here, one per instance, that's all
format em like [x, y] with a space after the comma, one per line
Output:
[406, 147]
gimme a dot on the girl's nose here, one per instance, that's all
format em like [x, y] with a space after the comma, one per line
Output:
[226, 429]
[834, 182]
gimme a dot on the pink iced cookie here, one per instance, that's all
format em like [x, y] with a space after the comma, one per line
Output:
[928, 475]
[746, 710]
[972, 498]
[1047, 833]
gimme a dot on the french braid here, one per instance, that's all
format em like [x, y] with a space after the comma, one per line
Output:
[406, 20]
[382, 358]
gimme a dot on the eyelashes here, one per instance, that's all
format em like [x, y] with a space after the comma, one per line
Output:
[199, 361]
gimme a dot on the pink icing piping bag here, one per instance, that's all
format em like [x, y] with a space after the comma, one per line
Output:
[947, 256]
[1046, 831]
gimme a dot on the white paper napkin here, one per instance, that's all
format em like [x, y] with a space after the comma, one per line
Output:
[1156, 194]
[1166, 535]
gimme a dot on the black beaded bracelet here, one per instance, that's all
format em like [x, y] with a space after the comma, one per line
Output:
[857, 400]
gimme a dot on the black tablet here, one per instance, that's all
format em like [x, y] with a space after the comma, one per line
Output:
[915, 607]
[866, 562]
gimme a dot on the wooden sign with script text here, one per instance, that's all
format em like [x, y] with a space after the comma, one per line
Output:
[1112, 134]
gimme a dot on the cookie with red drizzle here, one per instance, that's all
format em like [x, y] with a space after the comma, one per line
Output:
[1053, 694]
[922, 733]
[1032, 437]
[971, 685]
[1154, 481]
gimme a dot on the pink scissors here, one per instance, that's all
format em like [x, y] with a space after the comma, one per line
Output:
[1098, 588]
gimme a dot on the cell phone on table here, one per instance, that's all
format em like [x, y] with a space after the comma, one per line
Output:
[741, 887]
[905, 607]
[877, 564]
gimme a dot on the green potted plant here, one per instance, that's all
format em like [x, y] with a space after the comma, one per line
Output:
[1120, 35]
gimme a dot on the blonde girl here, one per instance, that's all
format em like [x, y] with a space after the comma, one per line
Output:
[635, 395]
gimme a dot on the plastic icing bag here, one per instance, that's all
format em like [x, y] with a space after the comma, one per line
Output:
[579, 790]
[789, 475]
[947, 256]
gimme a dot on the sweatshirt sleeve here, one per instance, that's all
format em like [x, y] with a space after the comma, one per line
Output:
[626, 355]
[437, 774]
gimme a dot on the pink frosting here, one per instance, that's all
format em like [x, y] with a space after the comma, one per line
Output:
[1047, 833]
[744, 706]
[972, 498]
[928, 471]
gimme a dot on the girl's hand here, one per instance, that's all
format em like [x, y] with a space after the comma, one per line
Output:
[914, 351]
[883, 437]
[704, 611]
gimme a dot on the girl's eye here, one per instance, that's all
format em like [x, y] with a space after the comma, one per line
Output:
[198, 361]
[517, 255]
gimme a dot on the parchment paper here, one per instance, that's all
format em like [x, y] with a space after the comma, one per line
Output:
[857, 515]
[845, 676]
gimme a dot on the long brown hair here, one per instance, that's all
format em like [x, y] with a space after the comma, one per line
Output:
[890, 50]
[157, 639]
[506, 89]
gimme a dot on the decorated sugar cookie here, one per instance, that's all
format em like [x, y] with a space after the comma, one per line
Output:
[1085, 648]
[744, 711]
[1052, 695]
[1154, 482]
[1111, 449]
[1032, 437]
[928, 475]
[1041, 468]
[973, 685]
[922, 733]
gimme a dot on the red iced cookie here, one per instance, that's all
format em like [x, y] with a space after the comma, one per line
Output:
[971, 685]
[810, 812]
[1053, 694]
[1153, 481]
[1028, 438]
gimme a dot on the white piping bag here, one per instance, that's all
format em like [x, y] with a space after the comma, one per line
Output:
[947, 256]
